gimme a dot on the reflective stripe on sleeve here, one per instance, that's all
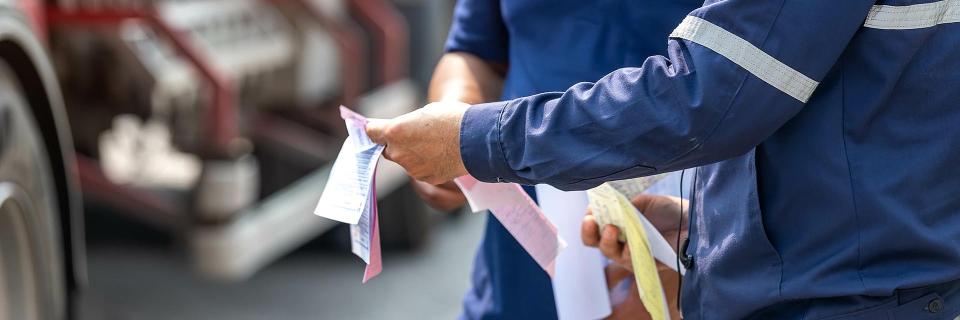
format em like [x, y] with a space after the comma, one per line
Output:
[916, 16]
[746, 55]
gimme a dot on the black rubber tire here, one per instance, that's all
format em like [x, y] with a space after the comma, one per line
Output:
[32, 284]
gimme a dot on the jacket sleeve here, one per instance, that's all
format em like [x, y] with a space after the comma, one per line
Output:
[736, 70]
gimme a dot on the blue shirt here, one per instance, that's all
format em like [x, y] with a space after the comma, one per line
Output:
[548, 45]
[829, 136]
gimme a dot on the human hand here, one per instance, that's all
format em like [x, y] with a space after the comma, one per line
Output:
[632, 307]
[426, 142]
[662, 211]
[444, 197]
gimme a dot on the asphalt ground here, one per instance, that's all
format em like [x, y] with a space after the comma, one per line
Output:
[142, 274]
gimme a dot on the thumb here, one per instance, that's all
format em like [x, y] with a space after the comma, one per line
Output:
[662, 211]
[644, 201]
[376, 130]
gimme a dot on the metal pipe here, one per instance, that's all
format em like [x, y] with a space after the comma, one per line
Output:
[222, 118]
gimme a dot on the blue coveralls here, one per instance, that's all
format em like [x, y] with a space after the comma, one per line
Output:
[828, 132]
[548, 45]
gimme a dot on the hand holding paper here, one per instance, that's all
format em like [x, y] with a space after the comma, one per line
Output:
[426, 142]
[611, 207]
[610, 203]
[663, 212]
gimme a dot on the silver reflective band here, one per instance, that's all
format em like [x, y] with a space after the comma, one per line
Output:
[916, 16]
[746, 55]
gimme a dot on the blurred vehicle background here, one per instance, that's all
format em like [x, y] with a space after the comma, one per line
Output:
[158, 157]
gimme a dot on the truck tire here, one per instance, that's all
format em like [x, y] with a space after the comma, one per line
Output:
[32, 284]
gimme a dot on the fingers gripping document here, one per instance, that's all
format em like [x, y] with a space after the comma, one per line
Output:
[519, 215]
[610, 205]
[350, 193]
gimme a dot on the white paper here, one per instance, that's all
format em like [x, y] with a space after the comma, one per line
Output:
[659, 247]
[579, 284]
[350, 193]
[668, 184]
[345, 196]
[361, 234]
[347, 192]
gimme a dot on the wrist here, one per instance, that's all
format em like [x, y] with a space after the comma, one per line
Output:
[458, 111]
[449, 115]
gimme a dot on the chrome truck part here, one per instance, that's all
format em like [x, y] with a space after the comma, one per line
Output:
[246, 88]
[247, 41]
[318, 61]
[226, 187]
[246, 45]
[166, 83]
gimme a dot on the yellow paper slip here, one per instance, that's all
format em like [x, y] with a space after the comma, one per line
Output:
[609, 206]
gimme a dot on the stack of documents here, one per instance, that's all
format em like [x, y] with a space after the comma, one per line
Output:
[350, 193]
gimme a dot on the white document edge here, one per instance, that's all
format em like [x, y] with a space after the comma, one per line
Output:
[659, 246]
[579, 283]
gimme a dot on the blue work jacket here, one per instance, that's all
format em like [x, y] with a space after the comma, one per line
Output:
[827, 134]
[548, 45]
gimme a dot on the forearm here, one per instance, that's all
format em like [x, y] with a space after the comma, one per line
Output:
[464, 77]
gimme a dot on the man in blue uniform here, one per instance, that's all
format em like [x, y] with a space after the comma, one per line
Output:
[533, 46]
[828, 136]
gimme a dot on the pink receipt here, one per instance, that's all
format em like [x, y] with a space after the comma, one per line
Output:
[376, 265]
[519, 215]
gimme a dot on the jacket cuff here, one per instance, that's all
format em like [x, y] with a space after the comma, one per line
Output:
[481, 148]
